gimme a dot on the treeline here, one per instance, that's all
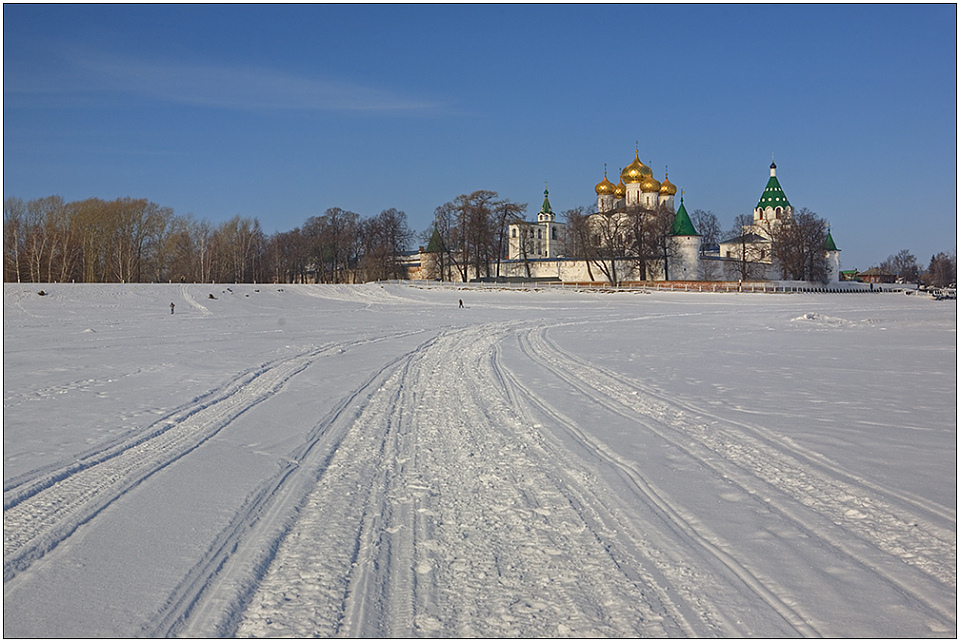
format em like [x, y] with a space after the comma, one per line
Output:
[469, 234]
[940, 273]
[134, 240]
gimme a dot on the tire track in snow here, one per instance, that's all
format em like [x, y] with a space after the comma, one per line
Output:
[682, 524]
[758, 462]
[435, 517]
[43, 508]
[39, 515]
[208, 601]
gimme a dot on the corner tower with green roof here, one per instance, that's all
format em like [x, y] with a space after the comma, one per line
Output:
[682, 225]
[833, 257]
[684, 264]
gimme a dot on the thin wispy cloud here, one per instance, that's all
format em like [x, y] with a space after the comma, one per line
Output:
[219, 86]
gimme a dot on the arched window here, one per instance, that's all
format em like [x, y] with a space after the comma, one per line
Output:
[539, 233]
[554, 233]
[514, 232]
[777, 215]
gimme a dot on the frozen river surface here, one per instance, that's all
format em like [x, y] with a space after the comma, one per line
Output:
[377, 461]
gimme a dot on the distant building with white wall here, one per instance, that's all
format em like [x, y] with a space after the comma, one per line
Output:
[540, 239]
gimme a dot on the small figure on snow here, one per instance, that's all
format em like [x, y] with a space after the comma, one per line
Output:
[461, 303]
[171, 308]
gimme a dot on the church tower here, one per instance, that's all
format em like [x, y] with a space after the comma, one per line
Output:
[542, 239]
[773, 205]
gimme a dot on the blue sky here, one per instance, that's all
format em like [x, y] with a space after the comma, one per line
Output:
[280, 112]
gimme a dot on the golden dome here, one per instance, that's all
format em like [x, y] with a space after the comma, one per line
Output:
[649, 184]
[619, 191]
[635, 171]
[605, 186]
[666, 187]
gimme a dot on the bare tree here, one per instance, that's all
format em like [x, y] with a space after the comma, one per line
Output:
[506, 213]
[662, 249]
[748, 249]
[287, 257]
[798, 247]
[524, 244]
[238, 248]
[579, 236]
[942, 271]
[477, 226]
[708, 225]
[385, 238]
[14, 242]
[610, 241]
[904, 265]
[332, 239]
[448, 241]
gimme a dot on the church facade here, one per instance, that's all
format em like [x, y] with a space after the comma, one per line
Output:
[540, 239]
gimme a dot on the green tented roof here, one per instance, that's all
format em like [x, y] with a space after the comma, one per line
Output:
[682, 225]
[436, 243]
[773, 195]
[829, 245]
[545, 208]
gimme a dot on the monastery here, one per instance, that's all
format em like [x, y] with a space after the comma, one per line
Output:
[539, 249]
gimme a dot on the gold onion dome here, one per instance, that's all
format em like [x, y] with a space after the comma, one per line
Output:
[635, 171]
[605, 186]
[649, 184]
[666, 187]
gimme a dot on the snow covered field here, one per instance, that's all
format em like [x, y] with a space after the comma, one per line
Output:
[375, 461]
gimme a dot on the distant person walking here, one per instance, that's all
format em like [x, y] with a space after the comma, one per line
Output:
[171, 308]
[461, 303]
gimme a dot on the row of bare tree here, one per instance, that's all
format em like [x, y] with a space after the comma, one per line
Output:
[469, 234]
[341, 247]
[135, 240]
[940, 273]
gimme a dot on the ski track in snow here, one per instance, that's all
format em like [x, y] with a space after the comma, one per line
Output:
[857, 517]
[43, 508]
